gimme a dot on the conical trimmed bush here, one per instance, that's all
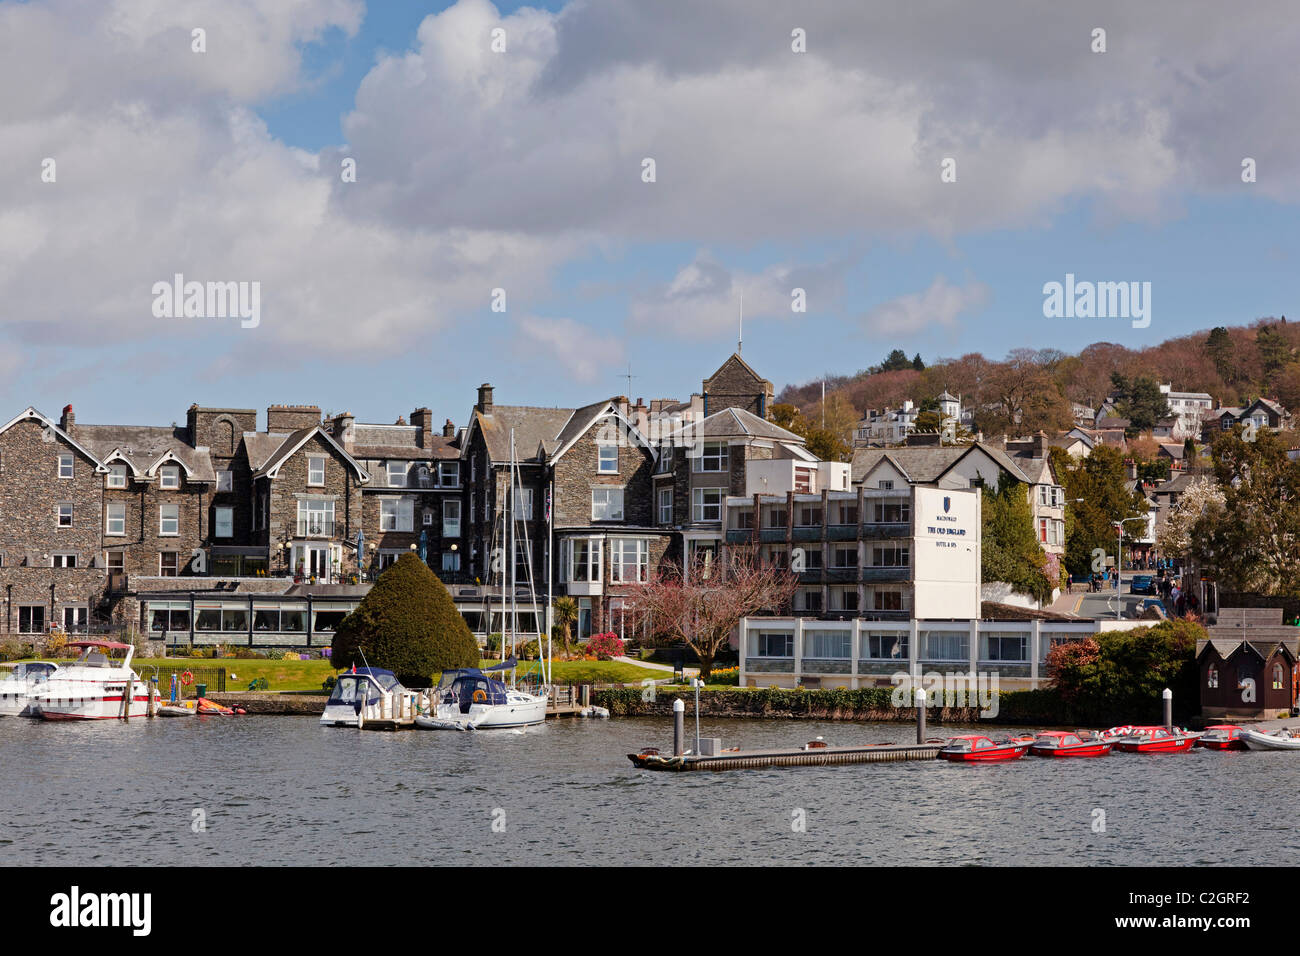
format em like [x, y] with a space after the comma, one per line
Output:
[407, 624]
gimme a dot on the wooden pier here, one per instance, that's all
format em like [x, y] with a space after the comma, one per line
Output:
[795, 757]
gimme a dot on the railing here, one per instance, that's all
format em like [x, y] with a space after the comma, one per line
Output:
[887, 529]
[312, 527]
[808, 533]
[842, 532]
[886, 574]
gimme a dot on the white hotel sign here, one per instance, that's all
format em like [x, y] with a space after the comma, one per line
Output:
[947, 553]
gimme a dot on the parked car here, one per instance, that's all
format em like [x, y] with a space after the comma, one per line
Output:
[1142, 584]
[1154, 602]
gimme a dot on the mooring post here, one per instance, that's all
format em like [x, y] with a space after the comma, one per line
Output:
[698, 684]
[152, 708]
[920, 715]
[679, 726]
[1168, 695]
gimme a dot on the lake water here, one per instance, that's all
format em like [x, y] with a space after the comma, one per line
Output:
[283, 790]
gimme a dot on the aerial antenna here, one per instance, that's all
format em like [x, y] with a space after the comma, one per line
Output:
[629, 376]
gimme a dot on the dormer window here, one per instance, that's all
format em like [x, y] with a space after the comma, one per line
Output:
[116, 476]
[449, 474]
[397, 474]
[169, 476]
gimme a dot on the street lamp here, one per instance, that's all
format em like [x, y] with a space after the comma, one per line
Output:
[1119, 544]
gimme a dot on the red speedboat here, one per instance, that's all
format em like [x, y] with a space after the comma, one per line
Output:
[1146, 740]
[976, 748]
[1063, 743]
[1222, 737]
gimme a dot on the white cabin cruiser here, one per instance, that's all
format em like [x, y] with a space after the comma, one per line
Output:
[367, 693]
[96, 687]
[1275, 740]
[17, 688]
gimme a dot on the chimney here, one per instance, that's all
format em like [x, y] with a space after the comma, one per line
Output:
[343, 428]
[448, 429]
[1040, 444]
[485, 399]
[67, 421]
[290, 418]
[422, 418]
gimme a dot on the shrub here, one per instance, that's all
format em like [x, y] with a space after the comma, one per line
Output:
[408, 624]
[328, 683]
[605, 646]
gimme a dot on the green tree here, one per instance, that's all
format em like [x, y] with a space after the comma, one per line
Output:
[565, 616]
[1010, 551]
[896, 361]
[1102, 481]
[1218, 345]
[407, 624]
[1141, 402]
[1274, 352]
[917, 363]
[1120, 675]
[1253, 542]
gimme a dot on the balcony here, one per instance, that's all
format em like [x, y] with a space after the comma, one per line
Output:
[842, 575]
[887, 529]
[808, 533]
[738, 535]
[772, 535]
[886, 574]
[842, 532]
[315, 527]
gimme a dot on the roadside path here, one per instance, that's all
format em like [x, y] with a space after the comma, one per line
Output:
[651, 665]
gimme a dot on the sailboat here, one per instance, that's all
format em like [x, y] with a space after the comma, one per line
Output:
[470, 698]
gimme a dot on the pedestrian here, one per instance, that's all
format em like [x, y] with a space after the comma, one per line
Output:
[1069, 584]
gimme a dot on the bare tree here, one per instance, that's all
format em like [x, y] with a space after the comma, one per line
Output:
[702, 609]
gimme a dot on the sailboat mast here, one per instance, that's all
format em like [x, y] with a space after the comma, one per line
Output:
[511, 558]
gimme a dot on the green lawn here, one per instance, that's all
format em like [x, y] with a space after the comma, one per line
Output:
[593, 672]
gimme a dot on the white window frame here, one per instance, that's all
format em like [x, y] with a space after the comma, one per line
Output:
[699, 504]
[115, 513]
[603, 507]
[719, 458]
[590, 565]
[116, 477]
[63, 556]
[620, 549]
[522, 506]
[169, 477]
[225, 481]
[163, 519]
[228, 513]
[176, 557]
[397, 514]
[392, 466]
[312, 462]
[665, 506]
[70, 462]
[448, 474]
[450, 522]
[603, 464]
[58, 514]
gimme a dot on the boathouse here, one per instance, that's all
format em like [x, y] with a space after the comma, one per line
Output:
[1247, 667]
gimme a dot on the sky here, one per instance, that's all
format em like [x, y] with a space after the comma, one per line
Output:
[920, 171]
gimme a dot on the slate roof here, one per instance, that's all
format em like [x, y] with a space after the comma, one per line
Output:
[734, 423]
[143, 445]
[535, 428]
[925, 464]
[399, 441]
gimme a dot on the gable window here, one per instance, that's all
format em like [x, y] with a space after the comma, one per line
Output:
[116, 476]
[65, 514]
[65, 466]
[706, 504]
[664, 463]
[223, 525]
[606, 504]
[168, 563]
[169, 520]
[449, 474]
[451, 518]
[397, 474]
[225, 481]
[1212, 677]
[607, 459]
[885, 484]
[315, 469]
[115, 518]
[396, 514]
[169, 476]
[712, 456]
[665, 506]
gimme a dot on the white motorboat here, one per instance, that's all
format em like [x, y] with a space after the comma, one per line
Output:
[1276, 740]
[96, 687]
[367, 693]
[16, 689]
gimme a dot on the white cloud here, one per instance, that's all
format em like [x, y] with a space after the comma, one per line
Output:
[939, 305]
[586, 356]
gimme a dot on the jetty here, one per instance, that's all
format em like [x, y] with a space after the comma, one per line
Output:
[810, 755]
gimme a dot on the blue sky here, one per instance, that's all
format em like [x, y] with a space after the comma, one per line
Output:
[521, 171]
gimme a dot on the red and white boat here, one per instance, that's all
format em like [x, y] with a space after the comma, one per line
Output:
[1148, 740]
[1064, 743]
[976, 748]
[1222, 737]
[95, 687]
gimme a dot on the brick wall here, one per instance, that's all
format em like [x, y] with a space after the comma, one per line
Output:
[290, 483]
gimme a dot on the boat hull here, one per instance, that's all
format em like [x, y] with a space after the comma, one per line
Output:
[1167, 745]
[514, 713]
[989, 755]
[1256, 740]
[1076, 750]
